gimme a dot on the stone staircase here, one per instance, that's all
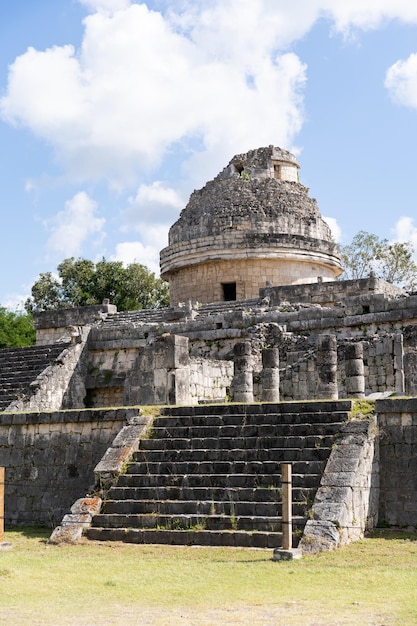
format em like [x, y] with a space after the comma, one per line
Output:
[158, 316]
[211, 475]
[19, 367]
[131, 318]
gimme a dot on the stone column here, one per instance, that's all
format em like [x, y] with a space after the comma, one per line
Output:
[399, 363]
[161, 374]
[243, 376]
[355, 371]
[270, 375]
[327, 367]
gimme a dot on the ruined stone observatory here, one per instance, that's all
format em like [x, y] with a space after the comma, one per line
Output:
[251, 226]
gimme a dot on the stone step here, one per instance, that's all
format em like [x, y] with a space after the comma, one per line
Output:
[5, 403]
[228, 442]
[251, 455]
[19, 367]
[240, 419]
[12, 383]
[185, 522]
[271, 420]
[144, 316]
[183, 468]
[238, 539]
[212, 507]
[324, 407]
[271, 493]
[31, 353]
[227, 481]
[22, 368]
[229, 305]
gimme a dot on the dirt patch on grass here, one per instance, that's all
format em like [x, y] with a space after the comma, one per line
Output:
[289, 614]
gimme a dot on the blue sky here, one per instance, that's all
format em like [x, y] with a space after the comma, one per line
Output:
[113, 111]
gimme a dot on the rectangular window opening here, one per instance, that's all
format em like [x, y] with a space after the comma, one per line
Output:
[229, 291]
[277, 171]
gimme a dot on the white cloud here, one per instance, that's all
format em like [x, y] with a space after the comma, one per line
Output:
[334, 227]
[73, 226]
[137, 252]
[217, 74]
[155, 204]
[105, 5]
[401, 81]
[405, 230]
[138, 86]
[150, 214]
[15, 301]
[368, 14]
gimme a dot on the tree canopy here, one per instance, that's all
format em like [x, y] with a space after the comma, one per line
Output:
[81, 282]
[16, 329]
[392, 261]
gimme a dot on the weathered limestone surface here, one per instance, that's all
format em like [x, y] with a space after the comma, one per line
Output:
[53, 326]
[327, 367]
[210, 379]
[242, 386]
[270, 374]
[49, 459]
[331, 293]
[59, 386]
[74, 523]
[346, 503]
[161, 373]
[124, 445]
[107, 471]
[397, 420]
[381, 318]
[253, 224]
[355, 370]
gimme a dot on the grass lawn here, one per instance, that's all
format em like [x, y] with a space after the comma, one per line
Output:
[371, 582]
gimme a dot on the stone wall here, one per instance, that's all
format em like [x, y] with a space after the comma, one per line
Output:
[49, 459]
[330, 293]
[248, 226]
[397, 420]
[107, 369]
[59, 386]
[346, 503]
[210, 380]
[410, 359]
[380, 317]
[203, 282]
[383, 367]
[56, 325]
[161, 374]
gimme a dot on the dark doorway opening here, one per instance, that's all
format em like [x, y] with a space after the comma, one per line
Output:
[229, 291]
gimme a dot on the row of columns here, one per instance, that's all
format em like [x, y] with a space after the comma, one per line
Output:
[327, 387]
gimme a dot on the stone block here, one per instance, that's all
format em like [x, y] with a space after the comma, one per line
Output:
[319, 537]
[89, 506]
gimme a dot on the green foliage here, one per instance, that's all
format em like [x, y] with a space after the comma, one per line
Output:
[81, 282]
[363, 409]
[391, 261]
[16, 329]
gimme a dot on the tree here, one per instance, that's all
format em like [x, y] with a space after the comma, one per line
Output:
[391, 261]
[16, 329]
[81, 282]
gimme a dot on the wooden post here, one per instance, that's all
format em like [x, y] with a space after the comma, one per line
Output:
[1, 504]
[286, 481]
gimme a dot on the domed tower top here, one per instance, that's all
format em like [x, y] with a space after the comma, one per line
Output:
[253, 224]
[264, 163]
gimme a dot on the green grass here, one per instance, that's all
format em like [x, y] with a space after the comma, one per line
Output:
[371, 582]
[363, 408]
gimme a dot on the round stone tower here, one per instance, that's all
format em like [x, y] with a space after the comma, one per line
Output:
[252, 225]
